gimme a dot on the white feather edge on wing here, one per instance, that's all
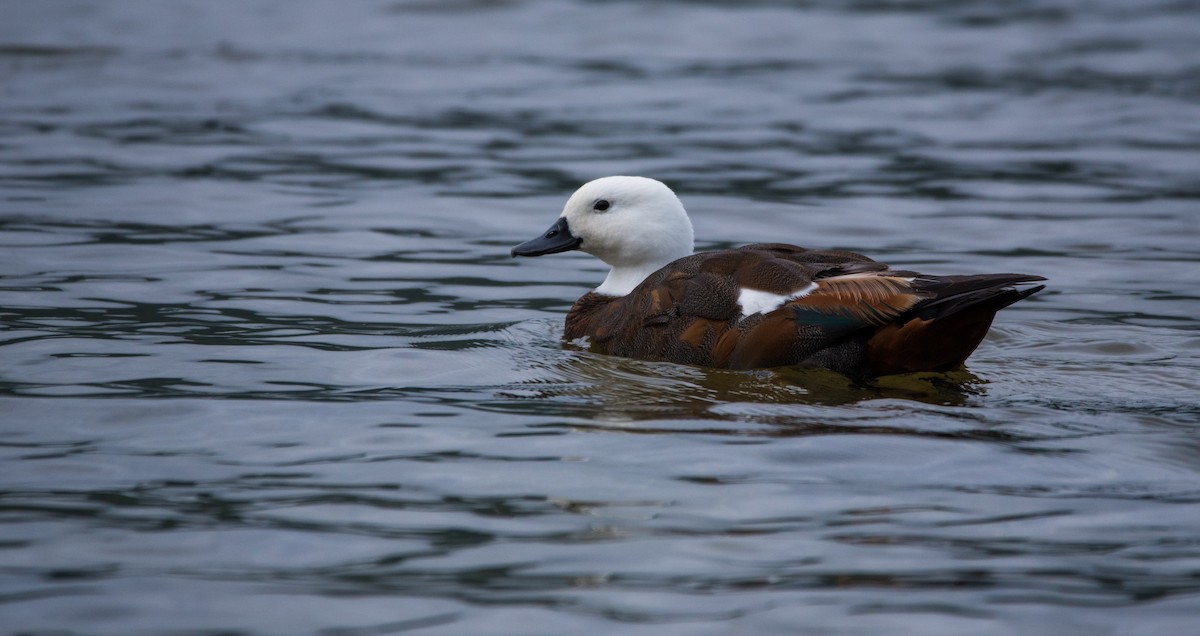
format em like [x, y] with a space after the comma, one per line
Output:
[754, 301]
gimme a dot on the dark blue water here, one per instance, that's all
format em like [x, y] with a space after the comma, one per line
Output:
[266, 366]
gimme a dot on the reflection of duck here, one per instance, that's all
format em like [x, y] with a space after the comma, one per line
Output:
[762, 305]
[618, 392]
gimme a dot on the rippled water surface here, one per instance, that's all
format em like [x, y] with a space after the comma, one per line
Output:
[267, 368]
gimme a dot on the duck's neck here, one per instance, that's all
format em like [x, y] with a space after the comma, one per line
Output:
[633, 265]
[621, 280]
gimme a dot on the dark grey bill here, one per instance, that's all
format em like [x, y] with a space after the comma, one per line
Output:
[556, 239]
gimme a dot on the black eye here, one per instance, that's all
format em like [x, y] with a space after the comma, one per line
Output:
[600, 205]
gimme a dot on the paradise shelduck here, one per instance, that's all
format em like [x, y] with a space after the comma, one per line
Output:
[760, 305]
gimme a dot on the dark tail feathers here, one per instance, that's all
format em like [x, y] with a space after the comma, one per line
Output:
[952, 294]
[942, 332]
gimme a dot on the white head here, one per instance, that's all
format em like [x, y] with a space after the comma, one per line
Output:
[634, 224]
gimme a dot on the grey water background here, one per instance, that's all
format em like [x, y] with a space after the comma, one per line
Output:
[267, 368]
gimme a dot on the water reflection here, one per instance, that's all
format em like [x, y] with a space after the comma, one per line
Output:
[621, 389]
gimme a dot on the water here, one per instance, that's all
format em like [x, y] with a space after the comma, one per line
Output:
[267, 367]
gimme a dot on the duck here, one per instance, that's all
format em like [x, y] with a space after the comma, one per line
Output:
[761, 305]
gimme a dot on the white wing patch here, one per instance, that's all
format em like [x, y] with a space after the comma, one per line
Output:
[753, 301]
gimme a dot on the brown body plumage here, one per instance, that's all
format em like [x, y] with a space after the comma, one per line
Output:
[862, 319]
